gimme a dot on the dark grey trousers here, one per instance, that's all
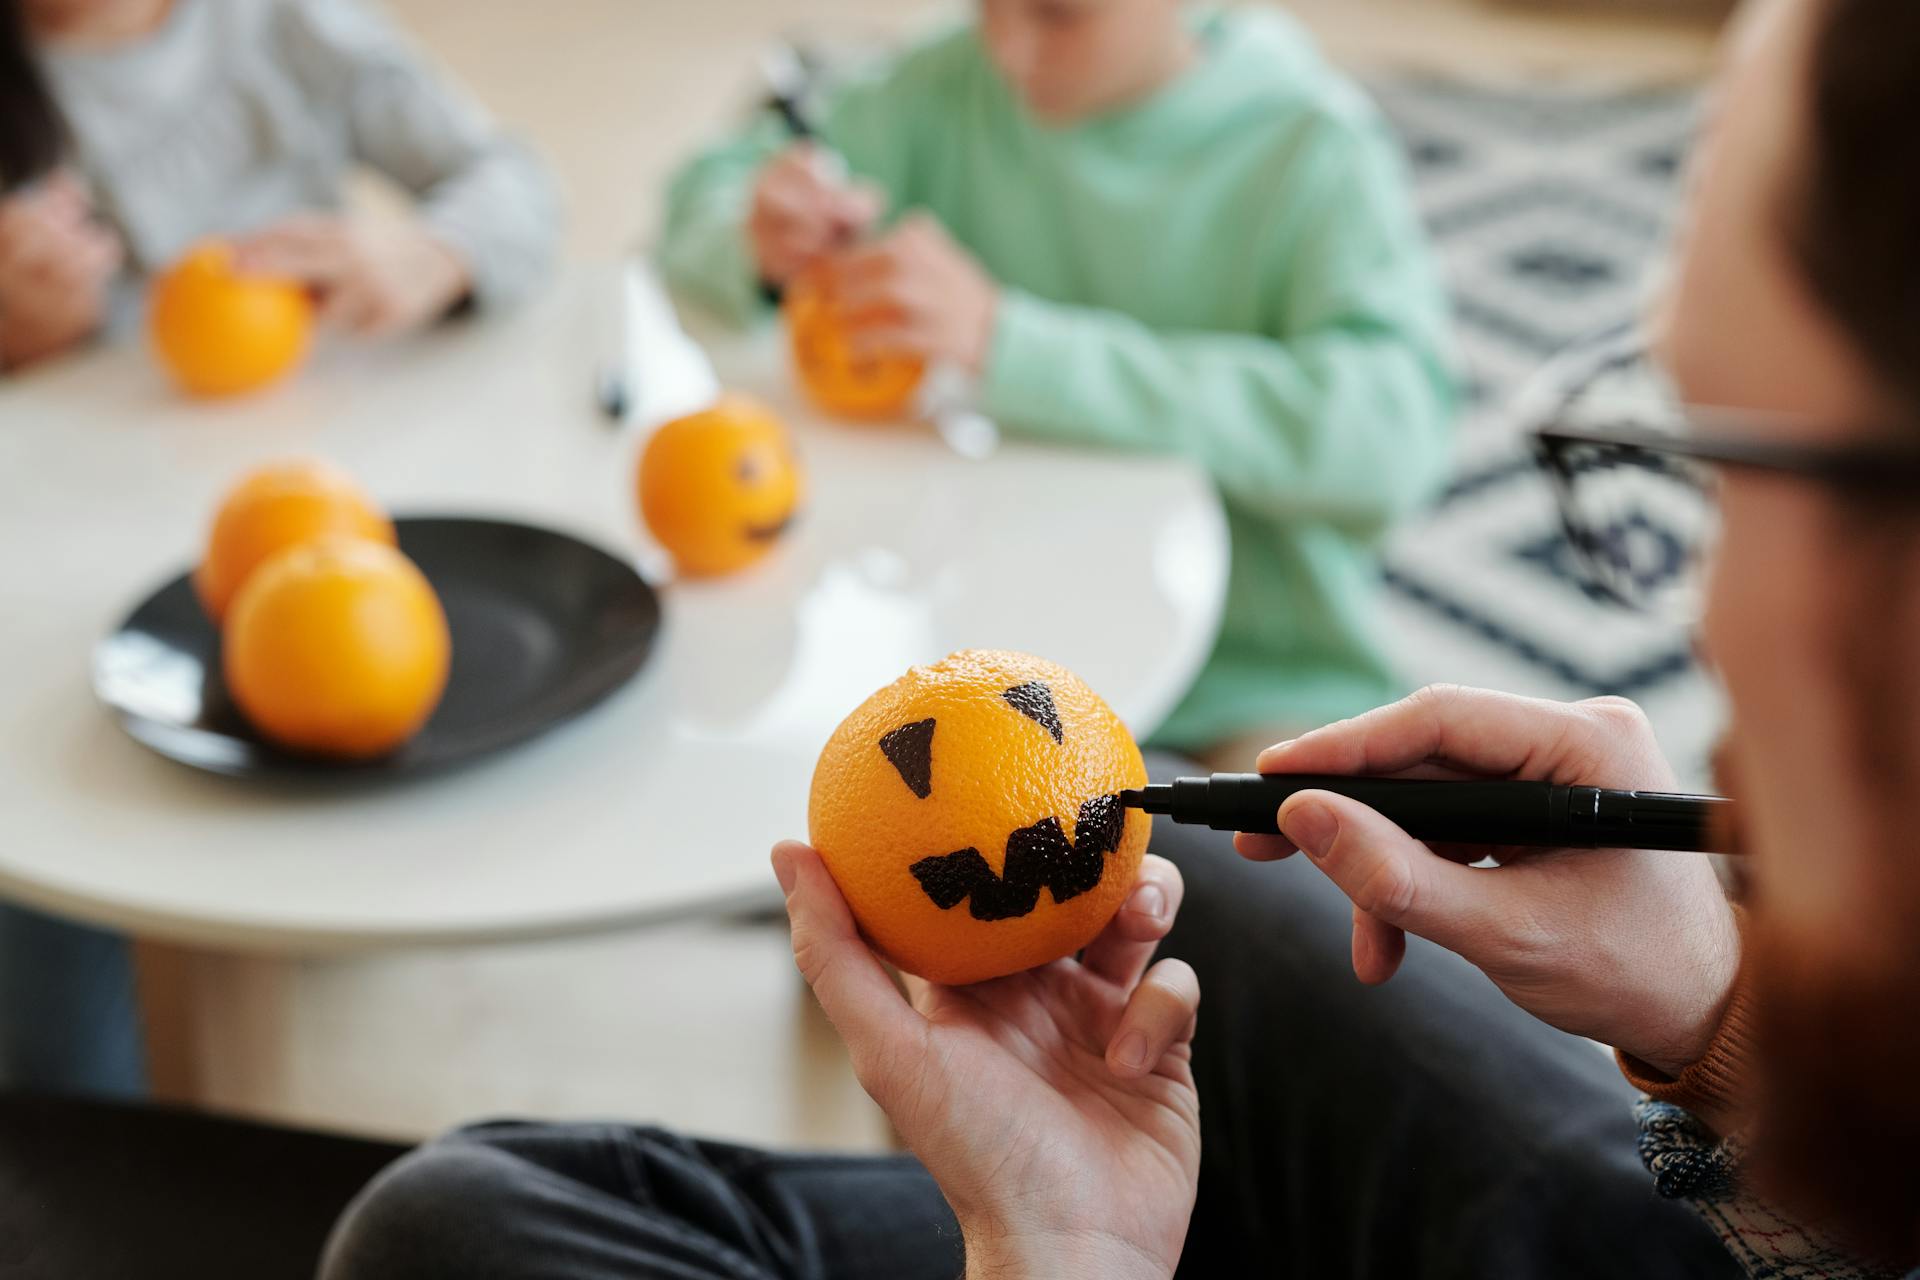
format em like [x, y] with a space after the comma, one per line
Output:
[1425, 1128]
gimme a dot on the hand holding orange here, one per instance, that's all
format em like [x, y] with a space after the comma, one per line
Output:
[969, 813]
[717, 488]
[276, 507]
[337, 647]
[221, 333]
[836, 377]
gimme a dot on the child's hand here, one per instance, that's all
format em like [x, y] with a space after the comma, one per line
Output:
[801, 211]
[915, 292]
[373, 277]
[56, 265]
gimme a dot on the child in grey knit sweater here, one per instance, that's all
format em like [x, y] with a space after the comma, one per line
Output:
[131, 128]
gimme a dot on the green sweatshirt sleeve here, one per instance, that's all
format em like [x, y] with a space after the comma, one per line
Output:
[703, 249]
[1341, 413]
[871, 122]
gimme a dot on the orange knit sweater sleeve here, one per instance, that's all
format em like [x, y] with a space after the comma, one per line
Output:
[1716, 1088]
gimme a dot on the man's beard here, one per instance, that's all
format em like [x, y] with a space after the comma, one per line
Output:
[1836, 1137]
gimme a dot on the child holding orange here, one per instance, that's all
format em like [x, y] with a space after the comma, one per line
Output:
[1145, 226]
[133, 128]
[130, 129]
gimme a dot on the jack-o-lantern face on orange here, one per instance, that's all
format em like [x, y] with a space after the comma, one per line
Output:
[969, 813]
[718, 488]
[839, 379]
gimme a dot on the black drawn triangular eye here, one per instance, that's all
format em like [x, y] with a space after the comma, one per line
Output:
[1035, 701]
[910, 750]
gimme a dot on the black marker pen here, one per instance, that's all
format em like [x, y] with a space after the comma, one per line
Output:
[1541, 814]
[786, 78]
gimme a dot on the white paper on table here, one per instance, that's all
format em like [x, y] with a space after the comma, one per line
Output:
[665, 373]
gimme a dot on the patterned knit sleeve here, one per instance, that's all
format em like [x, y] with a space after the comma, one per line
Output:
[1689, 1163]
[481, 191]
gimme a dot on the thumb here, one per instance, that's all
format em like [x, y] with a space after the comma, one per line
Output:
[861, 204]
[847, 979]
[1388, 874]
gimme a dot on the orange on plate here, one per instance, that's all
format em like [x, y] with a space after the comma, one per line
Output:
[275, 507]
[220, 333]
[837, 379]
[337, 647]
[717, 488]
[969, 814]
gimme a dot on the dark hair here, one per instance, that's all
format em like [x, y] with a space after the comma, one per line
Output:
[32, 135]
[1855, 220]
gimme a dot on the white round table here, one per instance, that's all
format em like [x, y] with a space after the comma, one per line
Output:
[659, 802]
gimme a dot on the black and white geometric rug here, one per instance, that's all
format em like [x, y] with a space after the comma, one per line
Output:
[1550, 212]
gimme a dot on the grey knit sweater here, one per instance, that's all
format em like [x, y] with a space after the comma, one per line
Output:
[234, 113]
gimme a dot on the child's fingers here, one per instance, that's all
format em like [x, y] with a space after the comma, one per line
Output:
[862, 272]
[859, 206]
[347, 309]
[876, 340]
[297, 253]
[793, 204]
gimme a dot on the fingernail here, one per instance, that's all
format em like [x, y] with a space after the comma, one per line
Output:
[1131, 1052]
[1259, 761]
[783, 869]
[1311, 826]
[1150, 900]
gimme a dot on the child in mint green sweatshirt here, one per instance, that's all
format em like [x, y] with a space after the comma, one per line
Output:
[1146, 227]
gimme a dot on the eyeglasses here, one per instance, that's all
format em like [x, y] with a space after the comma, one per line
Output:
[1637, 499]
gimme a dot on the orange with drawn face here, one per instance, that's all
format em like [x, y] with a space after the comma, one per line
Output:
[969, 813]
[837, 379]
[718, 487]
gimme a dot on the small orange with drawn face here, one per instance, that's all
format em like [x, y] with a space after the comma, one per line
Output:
[718, 487]
[970, 813]
[839, 380]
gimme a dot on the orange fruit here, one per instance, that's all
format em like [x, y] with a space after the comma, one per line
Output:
[968, 813]
[220, 333]
[833, 376]
[337, 647]
[718, 488]
[276, 507]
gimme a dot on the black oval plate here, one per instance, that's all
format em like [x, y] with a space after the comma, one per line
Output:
[543, 626]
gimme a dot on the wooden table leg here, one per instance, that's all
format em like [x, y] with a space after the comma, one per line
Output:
[163, 975]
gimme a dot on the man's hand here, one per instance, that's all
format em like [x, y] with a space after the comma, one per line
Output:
[915, 292]
[1631, 948]
[372, 276]
[802, 211]
[1055, 1108]
[56, 267]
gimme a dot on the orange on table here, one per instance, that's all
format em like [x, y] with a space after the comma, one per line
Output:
[969, 813]
[221, 333]
[717, 488]
[837, 379]
[275, 507]
[337, 647]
